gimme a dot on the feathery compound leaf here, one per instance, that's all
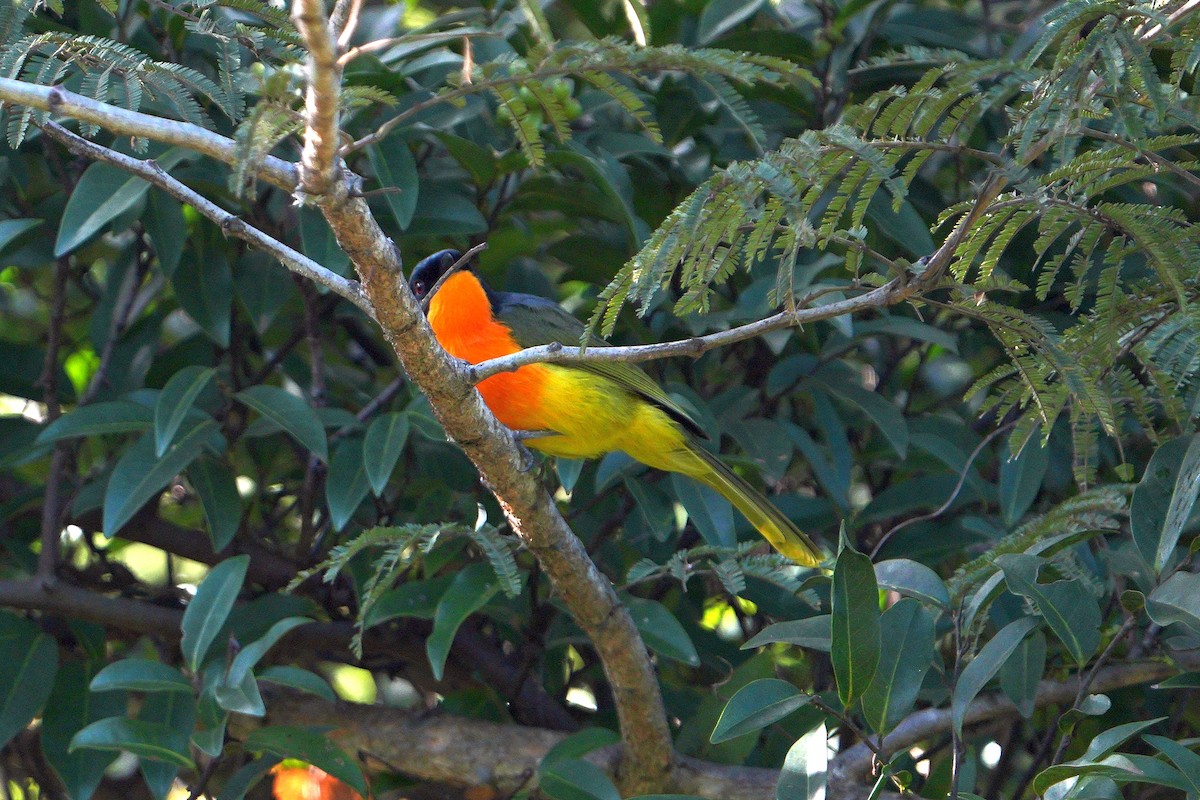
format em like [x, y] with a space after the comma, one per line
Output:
[499, 552]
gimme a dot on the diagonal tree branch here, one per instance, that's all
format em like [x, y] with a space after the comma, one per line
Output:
[134, 123]
[229, 223]
[491, 447]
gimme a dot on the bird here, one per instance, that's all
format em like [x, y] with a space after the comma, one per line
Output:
[586, 408]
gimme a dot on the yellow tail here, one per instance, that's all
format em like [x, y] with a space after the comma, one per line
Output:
[777, 529]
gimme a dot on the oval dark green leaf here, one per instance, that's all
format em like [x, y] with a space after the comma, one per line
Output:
[290, 413]
[757, 705]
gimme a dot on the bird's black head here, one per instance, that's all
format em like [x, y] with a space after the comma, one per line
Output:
[427, 272]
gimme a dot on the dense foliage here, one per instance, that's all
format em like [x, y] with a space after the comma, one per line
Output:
[214, 478]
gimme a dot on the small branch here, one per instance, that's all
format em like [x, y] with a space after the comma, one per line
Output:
[1175, 16]
[122, 122]
[463, 261]
[890, 293]
[230, 224]
[52, 504]
[122, 314]
[344, 21]
[1149, 155]
[962, 479]
[410, 39]
[1085, 685]
[319, 160]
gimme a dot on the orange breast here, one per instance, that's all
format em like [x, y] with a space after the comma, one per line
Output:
[461, 317]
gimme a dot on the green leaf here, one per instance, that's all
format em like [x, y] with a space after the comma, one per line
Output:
[1164, 498]
[855, 642]
[662, 631]
[1107, 741]
[206, 614]
[11, 229]
[574, 779]
[175, 401]
[69, 709]
[394, 167]
[164, 222]
[471, 589]
[756, 705]
[247, 778]
[906, 652]
[655, 510]
[97, 419]
[140, 675]
[242, 697]
[1177, 599]
[804, 767]
[319, 243]
[813, 633]
[1116, 768]
[477, 160]
[445, 212]
[985, 665]
[103, 193]
[569, 470]
[203, 284]
[413, 598]
[30, 660]
[252, 653]
[579, 744]
[143, 739]
[177, 713]
[346, 486]
[1021, 478]
[217, 489]
[311, 747]
[382, 447]
[913, 579]
[707, 510]
[140, 475]
[1067, 606]
[1184, 680]
[1183, 758]
[1020, 675]
[297, 678]
[290, 413]
[721, 16]
[209, 736]
[886, 415]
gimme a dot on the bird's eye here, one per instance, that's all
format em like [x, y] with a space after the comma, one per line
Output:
[419, 288]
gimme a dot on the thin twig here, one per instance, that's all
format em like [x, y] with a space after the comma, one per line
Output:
[413, 39]
[1149, 155]
[463, 261]
[344, 21]
[890, 293]
[52, 505]
[1089, 678]
[962, 479]
[230, 224]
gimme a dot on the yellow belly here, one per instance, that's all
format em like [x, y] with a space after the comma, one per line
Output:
[593, 417]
